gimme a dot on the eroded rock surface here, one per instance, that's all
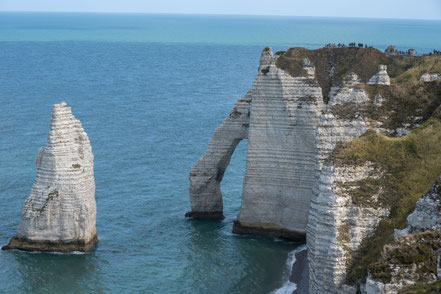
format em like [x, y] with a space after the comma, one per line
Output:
[336, 225]
[430, 77]
[411, 259]
[60, 212]
[427, 214]
[381, 78]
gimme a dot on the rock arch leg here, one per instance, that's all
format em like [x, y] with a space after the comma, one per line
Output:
[207, 173]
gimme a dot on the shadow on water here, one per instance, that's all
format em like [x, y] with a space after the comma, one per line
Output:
[249, 262]
[57, 273]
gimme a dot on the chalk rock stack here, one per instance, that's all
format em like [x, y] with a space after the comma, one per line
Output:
[60, 212]
[392, 50]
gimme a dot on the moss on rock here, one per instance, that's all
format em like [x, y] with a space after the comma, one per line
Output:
[412, 255]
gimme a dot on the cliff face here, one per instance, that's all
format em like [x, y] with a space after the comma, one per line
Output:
[60, 212]
[278, 117]
[280, 159]
[342, 142]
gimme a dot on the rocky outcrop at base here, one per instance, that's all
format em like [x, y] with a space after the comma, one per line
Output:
[409, 260]
[60, 212]
[51, 246]
[414, 257]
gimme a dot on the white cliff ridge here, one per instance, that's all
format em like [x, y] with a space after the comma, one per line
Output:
[60, 212]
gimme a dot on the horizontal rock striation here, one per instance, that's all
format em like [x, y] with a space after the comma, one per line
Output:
[280, 159]
[60, 212]
[278, 117]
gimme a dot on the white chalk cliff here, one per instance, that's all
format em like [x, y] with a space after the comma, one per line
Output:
[60, 212]
[332, 212]
[303, 105]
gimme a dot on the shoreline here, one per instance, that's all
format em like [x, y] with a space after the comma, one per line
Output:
[300, 272]
[296, 274]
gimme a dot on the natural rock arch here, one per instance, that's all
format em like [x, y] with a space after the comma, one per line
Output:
[208, 172]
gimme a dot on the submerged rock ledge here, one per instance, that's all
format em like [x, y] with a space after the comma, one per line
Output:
[51, 246]
[265, 229]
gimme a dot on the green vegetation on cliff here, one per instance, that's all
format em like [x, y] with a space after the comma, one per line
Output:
[409, 165]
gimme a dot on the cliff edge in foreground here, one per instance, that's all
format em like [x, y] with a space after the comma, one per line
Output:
[342, 142]
[60, 212]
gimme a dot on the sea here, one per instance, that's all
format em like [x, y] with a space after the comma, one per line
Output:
[150, 89]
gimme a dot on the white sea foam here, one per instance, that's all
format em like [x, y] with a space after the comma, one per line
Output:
[288, 287]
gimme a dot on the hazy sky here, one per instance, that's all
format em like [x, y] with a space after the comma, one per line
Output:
[421, 9]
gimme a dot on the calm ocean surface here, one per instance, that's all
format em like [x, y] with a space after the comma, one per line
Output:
[149, 90]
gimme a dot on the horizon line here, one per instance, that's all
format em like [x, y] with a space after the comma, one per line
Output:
[217, 14]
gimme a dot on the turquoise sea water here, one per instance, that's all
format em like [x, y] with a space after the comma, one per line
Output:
[149, 90]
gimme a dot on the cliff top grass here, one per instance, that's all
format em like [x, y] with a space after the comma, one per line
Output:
[410, 165]
[332, 64]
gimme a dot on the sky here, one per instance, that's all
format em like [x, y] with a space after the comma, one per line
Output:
[409, 9]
